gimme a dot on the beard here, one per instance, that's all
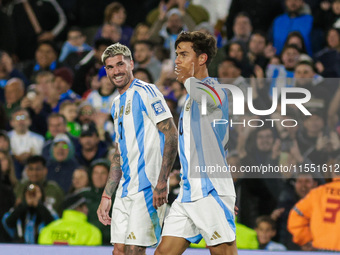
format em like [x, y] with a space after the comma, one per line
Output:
[125, 81]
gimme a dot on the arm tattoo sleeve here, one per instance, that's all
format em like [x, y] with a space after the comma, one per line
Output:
[115, 174]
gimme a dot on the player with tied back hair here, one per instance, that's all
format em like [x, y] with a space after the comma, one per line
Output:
[146, 149]
[205, 204]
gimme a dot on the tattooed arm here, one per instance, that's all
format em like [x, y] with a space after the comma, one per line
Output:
[168, 128]
[111, 185]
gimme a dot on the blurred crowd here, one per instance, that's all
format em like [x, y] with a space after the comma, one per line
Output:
[56, 130]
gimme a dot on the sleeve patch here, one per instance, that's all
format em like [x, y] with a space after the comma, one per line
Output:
[158, 107]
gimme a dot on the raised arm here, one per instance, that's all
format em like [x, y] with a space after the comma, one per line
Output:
[168, 128]
[111, 185]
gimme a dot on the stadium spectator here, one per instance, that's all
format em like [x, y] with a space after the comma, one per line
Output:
[144, 58]
[14, 92]
[44, 82]
[73, 228]
[80, 180]
[36, 172]
[91, 148]
[328, 14]
[328, 59]
[69, 110]
[297, 39]
[75, 46]
[115, 14]
[24, 143]
[142, 74]
[7, 169]
[261, 13]
[314, 224]
[61, 162]
[102, 98]
[294, 189]
[140, 33]
[256, 50]
[266, 230]
[63, 82]
[24, 222]
[5, 144]
[5, 204]
[37, 108]
[242, 29]
[33, 22]
[296, 18]
[8, 70]
[46, 57]
[99, 172]
[88, 67]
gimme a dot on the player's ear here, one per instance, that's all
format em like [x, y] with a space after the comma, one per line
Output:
[202, 59]
[132, 64]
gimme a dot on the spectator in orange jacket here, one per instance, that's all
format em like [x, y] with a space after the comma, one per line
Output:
[314, 221]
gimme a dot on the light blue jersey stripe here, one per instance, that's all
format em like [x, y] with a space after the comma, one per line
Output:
[229, 216]
[195, 239]
[184, 162]
[122, 146]
[148, 195]
[137, 112]
[152, 90]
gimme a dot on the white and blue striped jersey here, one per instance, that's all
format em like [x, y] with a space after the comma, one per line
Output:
[136, 113]
[201, 145]
[101, 103]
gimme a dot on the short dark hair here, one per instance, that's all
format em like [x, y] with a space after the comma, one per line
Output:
[56, 115]
[19, 109]
[267, 219]
[36, 159]
[290, 46]
[307, 63]
[201, 43]
[234, 61]
[102, 41]
[144, 70]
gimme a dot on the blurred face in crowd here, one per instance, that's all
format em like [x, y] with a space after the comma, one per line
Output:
[14, 91]
[45, 83]
[119, 70]
[265, 232]
[265, 140]
[235, 51]
[296, 41]
[227, 69]
[89, 142]
[99, 176]
[99, 52]
[336, 7]
[21, 121]
[70, 112]
[142, 76]
[177, 89]
[45, 55]
[119, 17]
[36, 172]
[174, 24]
[333, 39]
[242, 26]
[61, 151]
[290, 58]
[86, 114]
[303, 184]
[257, 44]
[294, 5]
[106, 86]
[142, 53]
[61, 85]
[304, 74]
[142, 33]
[112, 32]
[80, 179]
[4, 162]
[76, 38]
[56, 126]
[4, 144]
[313, 125]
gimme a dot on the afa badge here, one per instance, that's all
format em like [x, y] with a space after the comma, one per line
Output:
[158, 107]
[128, 108]
[121, 111]
[187, 107]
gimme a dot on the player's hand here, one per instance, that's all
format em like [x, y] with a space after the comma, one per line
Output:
[183, 73]
[103, 211]
[160, 194]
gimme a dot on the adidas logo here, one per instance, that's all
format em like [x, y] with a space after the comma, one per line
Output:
[215, 236]
[131, 236]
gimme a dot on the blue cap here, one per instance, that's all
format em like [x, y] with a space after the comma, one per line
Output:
[101, 73]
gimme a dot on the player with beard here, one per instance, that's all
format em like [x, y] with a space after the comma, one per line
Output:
[146, 146]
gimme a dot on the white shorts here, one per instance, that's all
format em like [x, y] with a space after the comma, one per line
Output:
[211, 217]
[135, 221]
